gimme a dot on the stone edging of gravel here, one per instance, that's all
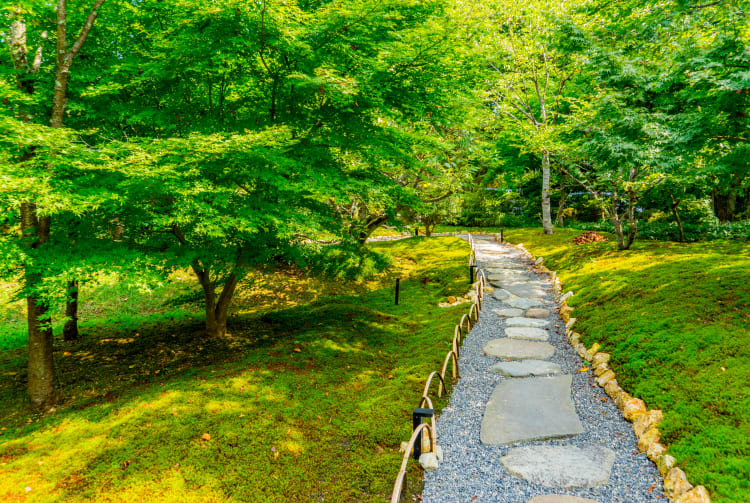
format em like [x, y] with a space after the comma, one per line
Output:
[645, 422]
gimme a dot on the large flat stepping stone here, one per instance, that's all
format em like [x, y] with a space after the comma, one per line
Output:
[526, 322]
[501, 294]
[526, 368]
[508, 312]
[523, 303]
[538, 313]
[525, 289]
[509, 275]
[532, 408]
[530, 333]
[517, 349]
[560, 498]
[560, 465]
[499, 267]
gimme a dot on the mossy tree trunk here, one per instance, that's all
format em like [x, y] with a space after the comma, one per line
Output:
[216, 306]
[42, 387]
[70, 330]
[546, 209]
[673, 207]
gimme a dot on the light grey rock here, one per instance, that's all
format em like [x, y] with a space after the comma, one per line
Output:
[526, 322]
[508, 312]
[429, 461]
[560, 466]
[509, 276]
[501, 266]
[501, 294]
[523, 303]
[538, 313]
[526, 289]
[519, 349]
[526, 368]
[560, 498]
[532, 408]
[566, 296]
[530, 333]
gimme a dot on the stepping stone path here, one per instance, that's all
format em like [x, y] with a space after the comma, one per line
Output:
[561, 466]
[560, 498]
[522, 303]
[501, 294]
[537, 312]
[518, 349]
[508, 312]
[534, 408]
[531, 333]
[523, 424]
[526, 322]
[526, 368]
[508, 276]
[528, 290]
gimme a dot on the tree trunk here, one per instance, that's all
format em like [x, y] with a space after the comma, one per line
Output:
[217, 308]
[428, 229]
[41, 388]
[546, 211]
[561, 207]
[70, 330]
[617, 224]
[59, 101]
[724, 205]
[215, 325]
[362, 234]
[632, 221]
[676, 215]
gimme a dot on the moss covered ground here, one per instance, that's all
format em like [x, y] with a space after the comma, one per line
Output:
[308, 400]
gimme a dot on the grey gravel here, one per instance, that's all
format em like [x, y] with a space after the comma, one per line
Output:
[471, 469]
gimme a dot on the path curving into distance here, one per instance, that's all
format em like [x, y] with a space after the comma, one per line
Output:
[523, 424]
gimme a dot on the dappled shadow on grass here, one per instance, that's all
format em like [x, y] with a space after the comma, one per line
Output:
[299, 404]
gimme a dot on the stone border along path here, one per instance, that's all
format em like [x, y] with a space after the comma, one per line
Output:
[551, 437]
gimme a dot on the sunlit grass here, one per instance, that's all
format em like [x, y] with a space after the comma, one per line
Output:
[307, 401]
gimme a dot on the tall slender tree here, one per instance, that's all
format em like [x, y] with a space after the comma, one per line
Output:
[35, 223]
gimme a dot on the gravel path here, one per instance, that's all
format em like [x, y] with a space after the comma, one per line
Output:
[473, 472]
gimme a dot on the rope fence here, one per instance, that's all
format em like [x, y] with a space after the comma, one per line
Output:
[426, 433]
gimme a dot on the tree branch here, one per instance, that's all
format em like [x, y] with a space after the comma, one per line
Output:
[439, 198]
[84, 31]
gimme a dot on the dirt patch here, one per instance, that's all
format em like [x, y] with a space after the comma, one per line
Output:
[588, 237]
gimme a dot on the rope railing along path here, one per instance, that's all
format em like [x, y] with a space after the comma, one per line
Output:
[430, 445]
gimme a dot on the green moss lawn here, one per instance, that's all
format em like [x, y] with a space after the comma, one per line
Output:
[308, 400]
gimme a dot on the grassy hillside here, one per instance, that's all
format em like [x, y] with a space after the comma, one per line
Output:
[308, 400]
[676, 318]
